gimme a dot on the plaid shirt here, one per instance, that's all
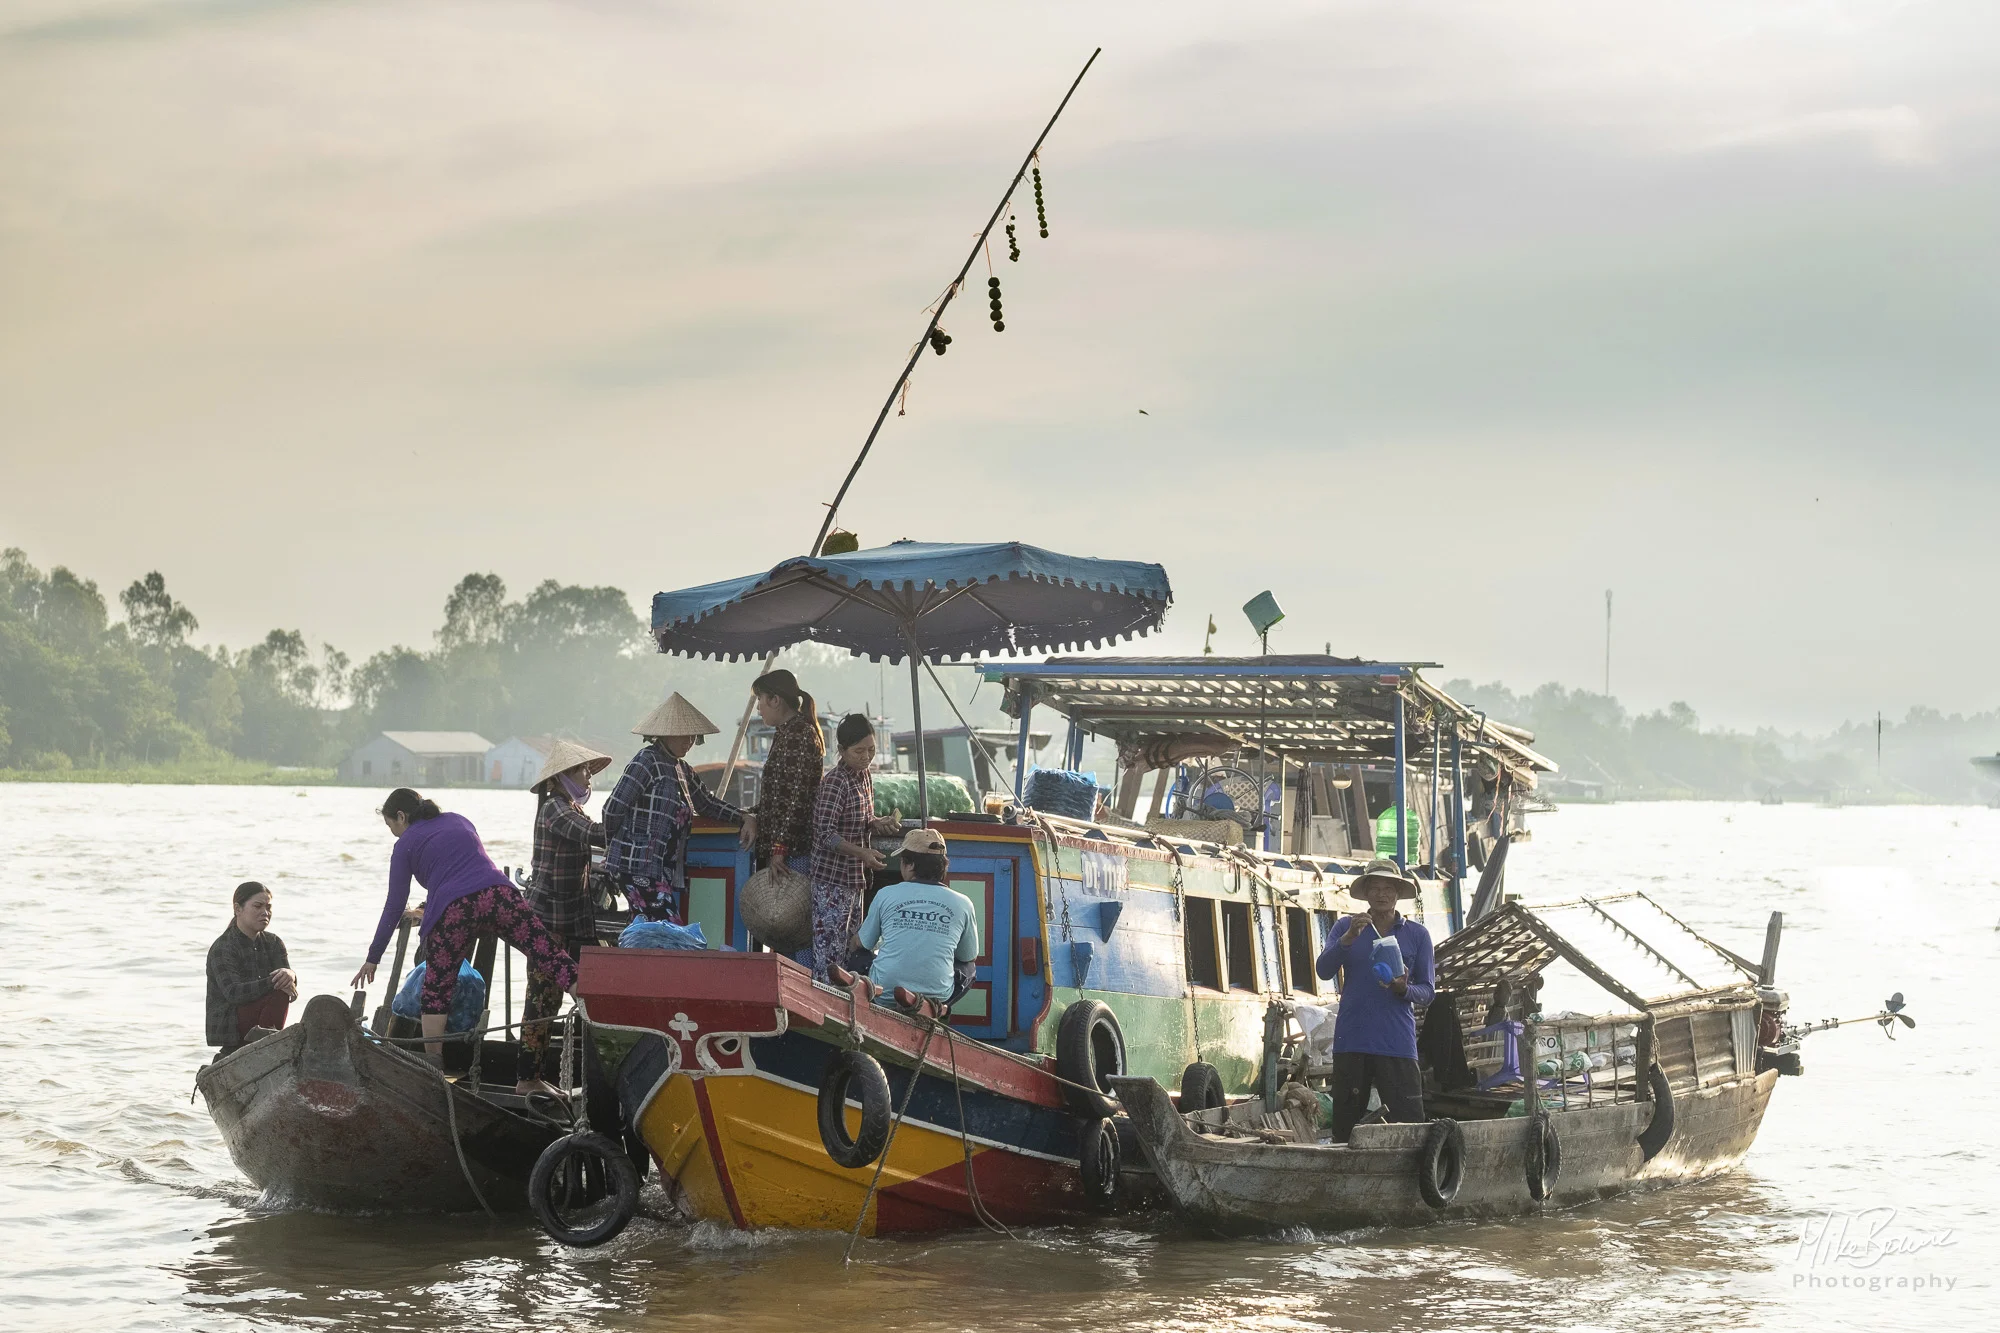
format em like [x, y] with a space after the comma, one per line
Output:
[648, 814]
[791, 779]
[560, 889]
[842, 810]
[239, 971]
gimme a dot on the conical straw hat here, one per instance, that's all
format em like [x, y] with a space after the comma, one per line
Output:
[565, 755]
[675, 717]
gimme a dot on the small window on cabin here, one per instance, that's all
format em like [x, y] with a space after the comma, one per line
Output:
[1238, 947]
[367, 768]
[1299, 951]
[396, 768]
[1204, 965]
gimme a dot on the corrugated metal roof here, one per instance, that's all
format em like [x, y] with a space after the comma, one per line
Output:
[1625, 944]
[441, 742]
[1308, 707]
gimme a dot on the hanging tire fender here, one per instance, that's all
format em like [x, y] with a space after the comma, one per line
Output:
[1090, 1049]
[1100, 1156]
[859, 1075]
[1441, 1162]
[578, 1171]
[1544, 1157]
[1661, 1128]
[1201, 1088]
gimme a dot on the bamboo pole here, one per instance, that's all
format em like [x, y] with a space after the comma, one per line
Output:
[937, 313]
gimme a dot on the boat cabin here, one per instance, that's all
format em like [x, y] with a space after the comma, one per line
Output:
[1594, 992]
[1188, 936]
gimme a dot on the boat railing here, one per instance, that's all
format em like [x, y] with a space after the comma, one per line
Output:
[1577, 1060]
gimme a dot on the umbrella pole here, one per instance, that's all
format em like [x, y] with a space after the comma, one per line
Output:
[917, 717]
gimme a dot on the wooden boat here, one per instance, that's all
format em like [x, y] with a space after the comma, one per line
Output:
[324, 1115]
[1670, 1089]
[1152, 950]
[728, 1053]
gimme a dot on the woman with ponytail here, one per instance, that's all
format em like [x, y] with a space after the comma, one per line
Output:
[784, 814]
[467, 897]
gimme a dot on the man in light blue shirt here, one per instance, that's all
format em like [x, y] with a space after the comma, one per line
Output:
[922, 932]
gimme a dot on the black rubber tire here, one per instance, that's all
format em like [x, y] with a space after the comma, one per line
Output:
[1090, 1049]
[1654, 1137]
[1441, 1162]
[567, 1168]
[1100, 1155]
[1544, 1158]
[854, 1074]
[1201, 1088]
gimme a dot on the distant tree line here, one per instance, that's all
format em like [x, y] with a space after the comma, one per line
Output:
[79, 689]
[1667, 754]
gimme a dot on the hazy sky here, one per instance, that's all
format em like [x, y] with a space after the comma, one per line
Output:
[1445, 317]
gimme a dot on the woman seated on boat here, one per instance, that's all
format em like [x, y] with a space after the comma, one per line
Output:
[1375, 1032]
[843, 817]
[924, 933]
[467, 897]
[250, 979]
[783, 818]
[649, 812]
[559, 890]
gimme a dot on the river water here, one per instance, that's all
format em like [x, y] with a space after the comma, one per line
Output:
[1867, 1203]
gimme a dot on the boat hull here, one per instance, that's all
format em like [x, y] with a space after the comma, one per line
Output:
[1237, 1186]
[322, 1116]
[722, 1084]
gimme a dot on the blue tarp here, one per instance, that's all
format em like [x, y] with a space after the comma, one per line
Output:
[644, 934]
[961, 598]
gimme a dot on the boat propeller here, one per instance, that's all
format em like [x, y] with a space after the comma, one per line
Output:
[1890, 1014]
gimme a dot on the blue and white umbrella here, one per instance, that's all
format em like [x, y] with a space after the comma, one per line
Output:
[922, 600]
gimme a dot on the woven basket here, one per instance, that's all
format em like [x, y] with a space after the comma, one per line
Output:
[776, 904]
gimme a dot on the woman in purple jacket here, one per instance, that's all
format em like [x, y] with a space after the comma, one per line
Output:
[468, 897]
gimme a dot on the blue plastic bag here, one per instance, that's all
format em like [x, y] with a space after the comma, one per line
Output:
[644, 934]
[468, 998]
[1388, 954]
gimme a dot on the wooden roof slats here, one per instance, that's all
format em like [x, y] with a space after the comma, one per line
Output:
[1624, 930]
[1517, 941]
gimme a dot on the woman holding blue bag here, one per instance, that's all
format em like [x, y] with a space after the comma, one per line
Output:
[1386, 959]
[467, 897]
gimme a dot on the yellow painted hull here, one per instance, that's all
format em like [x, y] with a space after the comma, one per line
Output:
[745, 1150]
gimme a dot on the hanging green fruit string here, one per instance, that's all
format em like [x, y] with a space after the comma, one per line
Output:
[1013, 245]
[993, 301]
[1041, 212]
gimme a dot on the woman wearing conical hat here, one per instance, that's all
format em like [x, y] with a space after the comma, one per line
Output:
[560, 890]
[648, 814]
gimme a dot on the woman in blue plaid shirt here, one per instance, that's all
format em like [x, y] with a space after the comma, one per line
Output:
[649, 812]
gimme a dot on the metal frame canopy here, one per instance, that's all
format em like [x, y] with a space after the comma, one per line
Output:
[1308, 708]
[942, 600]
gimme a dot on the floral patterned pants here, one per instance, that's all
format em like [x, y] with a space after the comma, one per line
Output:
[836, 916]
[502, 911]
[654, 900]
[538, 1056]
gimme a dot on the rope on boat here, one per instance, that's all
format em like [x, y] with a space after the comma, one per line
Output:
[979, 1209]
[451, 1118]
[895, 1123]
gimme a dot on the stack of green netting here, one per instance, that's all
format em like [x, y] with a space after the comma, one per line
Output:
[896, 794]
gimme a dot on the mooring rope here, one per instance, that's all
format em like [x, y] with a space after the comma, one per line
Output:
[895, 1124]
[979, 1209]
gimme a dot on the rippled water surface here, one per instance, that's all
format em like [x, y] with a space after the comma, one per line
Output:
[1866, 1204]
